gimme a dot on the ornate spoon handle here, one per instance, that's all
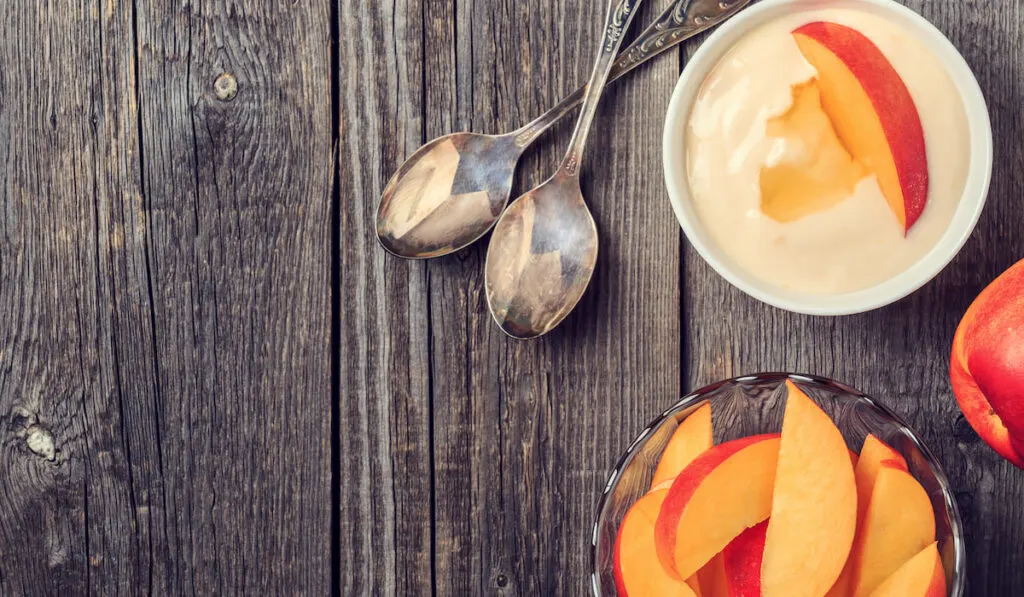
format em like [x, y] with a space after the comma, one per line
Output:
[620, 15]
[681, 21]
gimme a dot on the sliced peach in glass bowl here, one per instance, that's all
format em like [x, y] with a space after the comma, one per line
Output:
[825, 422]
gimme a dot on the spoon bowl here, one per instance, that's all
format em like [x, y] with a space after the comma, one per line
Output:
[544, 249]
[541, 258]
[447, 195]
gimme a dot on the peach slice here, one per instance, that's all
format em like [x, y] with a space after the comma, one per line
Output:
[743, 562]
[637, 570]
[872, 111]
[873, 456]
[922, 576]
[814, 509]
[899, 523]
[987, 366]
[722, 493]
[691, 439]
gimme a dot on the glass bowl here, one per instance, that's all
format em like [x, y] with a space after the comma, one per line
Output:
[754, 405]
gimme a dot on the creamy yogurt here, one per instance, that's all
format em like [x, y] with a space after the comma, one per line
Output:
[857, 243]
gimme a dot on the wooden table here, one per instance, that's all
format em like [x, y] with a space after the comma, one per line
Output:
[212, 380]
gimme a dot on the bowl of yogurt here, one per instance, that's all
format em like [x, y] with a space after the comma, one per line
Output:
[828, 158]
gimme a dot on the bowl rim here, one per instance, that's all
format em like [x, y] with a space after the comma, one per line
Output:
[956, 525]
[889, 291]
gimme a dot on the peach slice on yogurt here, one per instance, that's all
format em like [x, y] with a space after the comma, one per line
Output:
[873, 112]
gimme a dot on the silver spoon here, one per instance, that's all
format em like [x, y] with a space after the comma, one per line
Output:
[451, 191]
[544, 247]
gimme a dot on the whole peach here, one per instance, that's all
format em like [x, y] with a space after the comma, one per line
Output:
[987, 367]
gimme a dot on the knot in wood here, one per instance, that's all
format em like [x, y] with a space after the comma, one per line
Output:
[226, 87]
[40, 441]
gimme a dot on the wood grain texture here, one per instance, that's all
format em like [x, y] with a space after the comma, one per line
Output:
[238, 197]
[165, 292]
[901, 354]
[77, 367]
[525, 432]
[384, 429]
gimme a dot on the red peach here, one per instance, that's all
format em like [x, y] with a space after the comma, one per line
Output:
[987, 365]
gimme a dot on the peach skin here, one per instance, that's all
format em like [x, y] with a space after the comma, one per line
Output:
[743, 562]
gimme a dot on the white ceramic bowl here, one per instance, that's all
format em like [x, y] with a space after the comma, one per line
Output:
[964, 220]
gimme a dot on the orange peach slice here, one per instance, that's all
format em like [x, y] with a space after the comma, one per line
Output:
[873, 456]
[987, 367]
[691, 439]
[922, 576]
[898, 524]
[743, 562]
[872, 111]
[638, 572]
[725, 491]
[814, 509]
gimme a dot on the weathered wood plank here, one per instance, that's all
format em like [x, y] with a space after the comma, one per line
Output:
[524, 433]
[78, 436]
[384, 429]
[901, 354]
[237, 199]
[133, 461]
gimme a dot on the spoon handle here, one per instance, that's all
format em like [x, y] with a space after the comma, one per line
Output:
[679, 22]
[620, 15]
